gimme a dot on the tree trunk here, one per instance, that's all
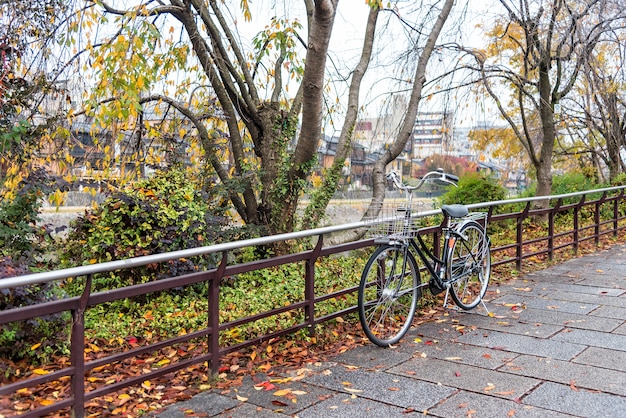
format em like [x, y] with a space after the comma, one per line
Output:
[321, 196]
[379, 169]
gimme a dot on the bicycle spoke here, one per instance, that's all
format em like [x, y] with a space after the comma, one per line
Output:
[469, 266]
[388, 295]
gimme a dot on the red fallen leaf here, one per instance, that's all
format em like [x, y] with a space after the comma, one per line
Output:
[428, 343]
[266, 385]
[572, 385]
[487, 355]
[457, 374]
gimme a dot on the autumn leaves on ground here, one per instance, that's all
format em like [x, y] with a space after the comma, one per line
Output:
[268, 360]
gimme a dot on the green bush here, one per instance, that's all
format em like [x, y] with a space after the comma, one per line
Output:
[37, 338]
[23, 249]
[166, 212]
[19, 233]
[474, 188]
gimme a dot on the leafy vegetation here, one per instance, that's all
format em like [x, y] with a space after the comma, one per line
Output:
[474, 188]
[165, 212]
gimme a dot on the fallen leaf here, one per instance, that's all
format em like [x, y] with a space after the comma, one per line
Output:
[509, 393]
[353, 390]
[241, 398]
[282, 392]
[572, 385]
[299, 392]
[489, 387]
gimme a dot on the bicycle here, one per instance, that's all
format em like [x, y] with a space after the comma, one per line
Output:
[391, 285]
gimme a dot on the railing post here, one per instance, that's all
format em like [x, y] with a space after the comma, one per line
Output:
[78, 352]
[214, 314]
[309, 286]
[519, 236]
[616, 212]
[596, 219]
[576, 222]
[551, 216]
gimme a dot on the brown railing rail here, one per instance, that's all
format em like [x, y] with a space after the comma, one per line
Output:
[589, 215]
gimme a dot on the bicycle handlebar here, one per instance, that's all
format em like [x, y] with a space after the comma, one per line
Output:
[438, 176]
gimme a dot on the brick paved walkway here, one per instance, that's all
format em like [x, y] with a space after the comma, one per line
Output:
[554, 347]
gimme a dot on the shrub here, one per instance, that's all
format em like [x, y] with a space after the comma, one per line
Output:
[166, 212]
[22, 251]
[474, 188]
[37, 338]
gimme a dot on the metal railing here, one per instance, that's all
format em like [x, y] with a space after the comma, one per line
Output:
[604, 215]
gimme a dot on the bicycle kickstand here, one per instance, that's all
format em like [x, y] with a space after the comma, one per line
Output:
[445, 301]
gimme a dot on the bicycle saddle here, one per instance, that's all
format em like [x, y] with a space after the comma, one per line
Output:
[454, 211]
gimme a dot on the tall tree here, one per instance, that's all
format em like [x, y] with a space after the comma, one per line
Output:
[536, 51]
[265, 176]
[598, 111]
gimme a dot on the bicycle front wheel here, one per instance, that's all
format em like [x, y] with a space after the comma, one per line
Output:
[388, 294]
[469, 265]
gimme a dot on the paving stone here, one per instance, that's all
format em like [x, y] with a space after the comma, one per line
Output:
[578, 375]
[539, 316]
[466, 404]
[384, 387]
[347, 406]
[523, 344]
[593, 338]
[433, 330]
[609, 312]
[248, 410]
[462, 353]
[467, 377]
[207, 402]
[590, 290]
[589, 300]
[581, 403]
[304, 395]
[372, 356]
[621, 330]
[613, 281]
[514, 326]
[603, 357]
[547, 303]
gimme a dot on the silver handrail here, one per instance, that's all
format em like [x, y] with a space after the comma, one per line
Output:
[45, 277]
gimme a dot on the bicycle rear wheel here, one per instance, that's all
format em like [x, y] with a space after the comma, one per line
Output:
[388, 294]
[469, 265]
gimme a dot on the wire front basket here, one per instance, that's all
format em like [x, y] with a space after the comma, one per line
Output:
[393, 221]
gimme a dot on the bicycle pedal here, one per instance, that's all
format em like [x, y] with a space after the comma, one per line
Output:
[434, 289]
